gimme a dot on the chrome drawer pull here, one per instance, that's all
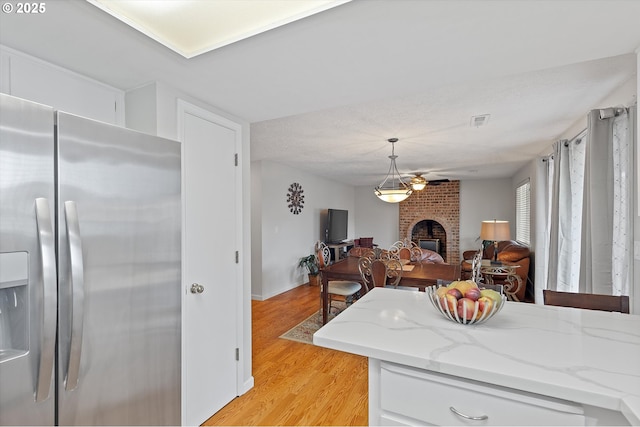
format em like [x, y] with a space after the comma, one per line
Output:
[468, 417]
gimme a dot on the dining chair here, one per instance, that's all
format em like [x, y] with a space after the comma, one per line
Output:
[588, 301]
[406, 250]
[476, 268]
[378, 272]
[347, 291]
[404, 254]
[366, 242]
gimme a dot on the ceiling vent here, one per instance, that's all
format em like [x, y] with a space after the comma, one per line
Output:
[482, 120]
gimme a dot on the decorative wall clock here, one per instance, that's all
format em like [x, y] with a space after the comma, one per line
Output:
[295, 198]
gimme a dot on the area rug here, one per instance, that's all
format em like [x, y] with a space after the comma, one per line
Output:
[303, 331]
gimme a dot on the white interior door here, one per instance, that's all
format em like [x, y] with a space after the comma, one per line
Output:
[211, 271]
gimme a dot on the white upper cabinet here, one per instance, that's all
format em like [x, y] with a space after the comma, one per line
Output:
[36, 80]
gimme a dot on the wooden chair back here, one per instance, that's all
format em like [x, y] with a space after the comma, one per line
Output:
[323, 254]
[404, 253]
[588, 301]
[377, 272]
[407, 250]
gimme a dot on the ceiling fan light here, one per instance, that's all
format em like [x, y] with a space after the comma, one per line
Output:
[418, 183]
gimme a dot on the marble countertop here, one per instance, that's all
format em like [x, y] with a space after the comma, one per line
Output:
[585, 356]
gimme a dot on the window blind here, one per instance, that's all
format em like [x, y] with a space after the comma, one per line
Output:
[523, 213]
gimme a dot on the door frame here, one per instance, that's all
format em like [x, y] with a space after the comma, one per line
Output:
[184, 108]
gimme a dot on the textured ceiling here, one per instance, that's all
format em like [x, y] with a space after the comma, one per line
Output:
[528, 111]
[324, 93]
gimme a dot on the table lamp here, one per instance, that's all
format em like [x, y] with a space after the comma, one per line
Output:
[496, 231]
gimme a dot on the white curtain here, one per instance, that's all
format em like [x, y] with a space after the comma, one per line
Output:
[610, 225]
[545, 178]
[590, 216]
[607, 227]
[566, 176]
[622, 207]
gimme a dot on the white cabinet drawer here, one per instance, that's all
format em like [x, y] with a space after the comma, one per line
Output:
[428, 396]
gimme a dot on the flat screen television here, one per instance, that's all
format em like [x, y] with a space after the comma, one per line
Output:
[337, 224]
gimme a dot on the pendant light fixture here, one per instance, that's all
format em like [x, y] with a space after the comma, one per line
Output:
[393, 189]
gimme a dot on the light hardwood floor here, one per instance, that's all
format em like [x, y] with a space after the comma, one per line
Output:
[297, 383]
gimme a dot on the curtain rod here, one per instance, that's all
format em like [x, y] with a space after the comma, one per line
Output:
[607, 113]
[604, 113]
[567, 141]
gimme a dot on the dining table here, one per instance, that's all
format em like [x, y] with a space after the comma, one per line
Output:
[414, 274]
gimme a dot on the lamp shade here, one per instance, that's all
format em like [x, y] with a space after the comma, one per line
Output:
[495, 230]
[392, 195]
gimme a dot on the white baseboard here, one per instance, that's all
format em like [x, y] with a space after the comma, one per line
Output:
[246, 386]
[260, 297]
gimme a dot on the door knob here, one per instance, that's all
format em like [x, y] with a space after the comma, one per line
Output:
[197, 288]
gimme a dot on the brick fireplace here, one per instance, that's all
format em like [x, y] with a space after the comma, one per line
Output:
[434, 213]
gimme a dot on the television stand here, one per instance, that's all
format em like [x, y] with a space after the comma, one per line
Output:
[338, 248]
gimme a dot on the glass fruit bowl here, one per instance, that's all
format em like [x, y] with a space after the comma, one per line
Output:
[467, 308]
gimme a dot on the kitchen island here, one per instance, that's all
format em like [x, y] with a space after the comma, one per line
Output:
[528, 365]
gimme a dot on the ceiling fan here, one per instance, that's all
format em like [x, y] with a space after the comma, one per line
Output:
[418, 182]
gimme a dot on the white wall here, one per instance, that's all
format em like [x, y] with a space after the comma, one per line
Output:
[256, 230]
[375, 218]
[141, 109]
[481, 200]
[287, 237]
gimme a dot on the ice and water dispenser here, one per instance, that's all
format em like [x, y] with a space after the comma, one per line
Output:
[14, 305]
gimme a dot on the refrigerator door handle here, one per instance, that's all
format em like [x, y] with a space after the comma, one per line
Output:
[50, 299]
[77, 294]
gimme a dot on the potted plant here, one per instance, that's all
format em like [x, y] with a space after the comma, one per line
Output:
[310, 262]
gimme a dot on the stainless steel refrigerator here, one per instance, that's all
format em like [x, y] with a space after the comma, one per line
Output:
[90, 270]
